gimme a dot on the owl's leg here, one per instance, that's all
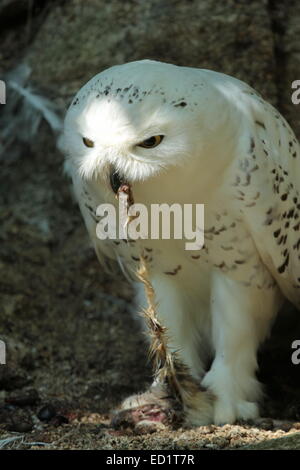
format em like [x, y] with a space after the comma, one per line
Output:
[183, 326]
[241, 319]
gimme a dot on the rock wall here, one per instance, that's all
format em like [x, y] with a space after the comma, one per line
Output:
[81, 38]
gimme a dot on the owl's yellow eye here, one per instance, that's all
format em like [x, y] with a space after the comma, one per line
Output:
[87, 142]
[151, 142]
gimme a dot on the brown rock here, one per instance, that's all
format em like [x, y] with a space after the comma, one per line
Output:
[80, 39]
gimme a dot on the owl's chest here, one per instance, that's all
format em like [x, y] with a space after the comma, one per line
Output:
[222, 243]
[228, 249]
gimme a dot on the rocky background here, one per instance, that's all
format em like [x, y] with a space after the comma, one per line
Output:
[74, 349]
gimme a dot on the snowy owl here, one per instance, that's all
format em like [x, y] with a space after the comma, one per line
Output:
[185, 135]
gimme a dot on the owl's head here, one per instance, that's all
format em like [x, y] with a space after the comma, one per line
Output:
[138, 119]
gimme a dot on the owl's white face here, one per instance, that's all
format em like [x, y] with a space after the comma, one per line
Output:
[131, 122]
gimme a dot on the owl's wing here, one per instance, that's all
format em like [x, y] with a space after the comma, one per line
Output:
[268, 174]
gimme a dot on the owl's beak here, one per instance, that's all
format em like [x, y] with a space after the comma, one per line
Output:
[116, 181]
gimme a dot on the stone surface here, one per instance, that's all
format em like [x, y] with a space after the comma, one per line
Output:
[81, 38]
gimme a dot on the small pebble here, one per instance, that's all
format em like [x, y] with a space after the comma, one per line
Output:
[46, 413]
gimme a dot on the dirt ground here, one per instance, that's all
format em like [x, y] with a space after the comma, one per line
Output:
[74, 348]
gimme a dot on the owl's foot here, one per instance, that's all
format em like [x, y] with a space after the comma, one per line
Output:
[148, 412]
[230, 404]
